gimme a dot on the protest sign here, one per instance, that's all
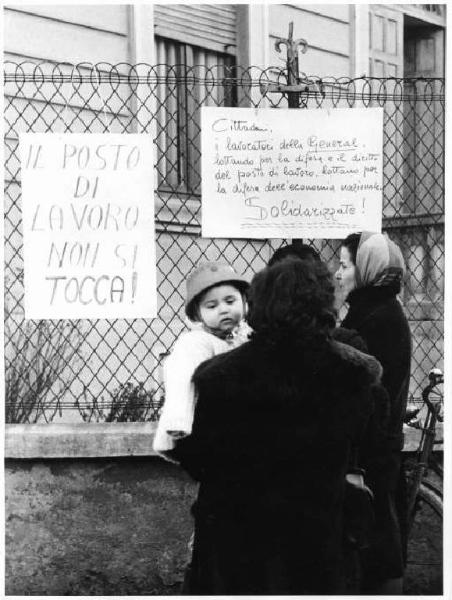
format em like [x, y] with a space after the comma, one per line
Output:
[272, 173]
[88, 226]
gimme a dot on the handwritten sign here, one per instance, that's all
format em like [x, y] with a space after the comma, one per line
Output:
[270, 173]
[88, 226]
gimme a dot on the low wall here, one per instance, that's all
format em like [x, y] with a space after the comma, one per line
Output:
[90, 510]
[90, 524]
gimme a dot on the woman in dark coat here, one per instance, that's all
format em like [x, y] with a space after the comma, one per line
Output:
[274, 423]
[370, 274]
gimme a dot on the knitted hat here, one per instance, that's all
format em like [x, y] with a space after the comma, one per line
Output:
[207, 275]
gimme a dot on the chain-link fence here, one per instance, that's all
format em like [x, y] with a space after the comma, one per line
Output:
[110, 369]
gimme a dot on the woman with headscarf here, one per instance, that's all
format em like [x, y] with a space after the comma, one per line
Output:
[370, 274]
[274, 424]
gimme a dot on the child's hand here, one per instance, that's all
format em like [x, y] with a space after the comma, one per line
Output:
[177, 434]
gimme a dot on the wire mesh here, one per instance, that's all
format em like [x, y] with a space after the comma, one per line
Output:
[65, 368]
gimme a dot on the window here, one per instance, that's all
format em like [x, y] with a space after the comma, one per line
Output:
[189, 77]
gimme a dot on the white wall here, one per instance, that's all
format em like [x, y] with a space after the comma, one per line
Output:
[327, 28]
[73, 33]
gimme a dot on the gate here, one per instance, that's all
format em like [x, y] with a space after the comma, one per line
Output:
[109, 370]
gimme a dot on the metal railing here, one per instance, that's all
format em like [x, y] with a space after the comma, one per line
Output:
[77, 368]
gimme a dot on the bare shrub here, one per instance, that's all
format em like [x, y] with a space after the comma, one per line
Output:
[37, 353]
[128, 402]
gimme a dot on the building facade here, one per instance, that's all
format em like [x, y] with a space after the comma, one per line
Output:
[345, 40]
[73, 69]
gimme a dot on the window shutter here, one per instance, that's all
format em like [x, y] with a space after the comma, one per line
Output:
[211, 26]
[386, 43]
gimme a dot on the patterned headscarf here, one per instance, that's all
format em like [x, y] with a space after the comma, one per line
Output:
[379, 261]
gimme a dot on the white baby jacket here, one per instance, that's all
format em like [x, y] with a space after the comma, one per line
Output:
[189, 351]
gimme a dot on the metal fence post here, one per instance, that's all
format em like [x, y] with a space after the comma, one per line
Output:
[293, 95]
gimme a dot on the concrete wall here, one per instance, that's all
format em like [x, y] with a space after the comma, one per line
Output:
[96, 526]
[93, 526]
[91, 511]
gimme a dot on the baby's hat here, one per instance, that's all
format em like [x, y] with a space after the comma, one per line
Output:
[207, 275]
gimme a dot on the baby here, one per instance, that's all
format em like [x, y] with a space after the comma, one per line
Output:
[216, 306]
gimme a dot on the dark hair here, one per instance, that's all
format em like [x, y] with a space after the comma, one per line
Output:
[351, 242]
[297, 250]
[291, 302]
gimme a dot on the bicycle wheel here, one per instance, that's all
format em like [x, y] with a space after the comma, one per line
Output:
[424, 572]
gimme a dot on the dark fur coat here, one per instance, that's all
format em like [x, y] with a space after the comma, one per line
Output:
[377, 315]
[270, 446]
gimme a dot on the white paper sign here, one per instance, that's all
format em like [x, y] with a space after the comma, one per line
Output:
[271, 173]
[88, 226]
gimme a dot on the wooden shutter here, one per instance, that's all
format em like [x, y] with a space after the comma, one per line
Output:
[424, 122]
[211, 26]
[386, 60]
[386, 43]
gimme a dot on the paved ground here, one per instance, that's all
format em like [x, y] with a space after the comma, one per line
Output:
[424, 571]
[425, 565]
